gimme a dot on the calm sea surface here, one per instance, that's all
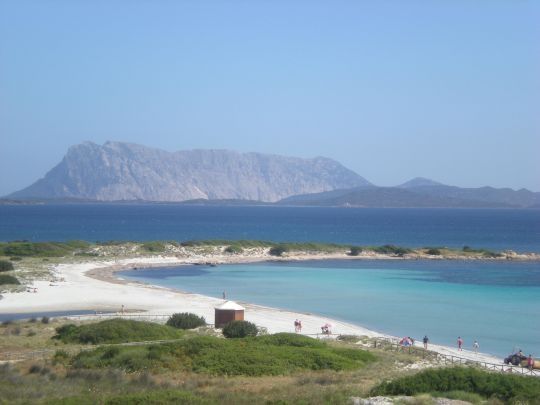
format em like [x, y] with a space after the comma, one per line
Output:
[497, 303]
[481, 228]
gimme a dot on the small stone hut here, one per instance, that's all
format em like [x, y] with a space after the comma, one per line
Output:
[227, 312]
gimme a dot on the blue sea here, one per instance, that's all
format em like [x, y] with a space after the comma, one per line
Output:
[497, 303]
[480, 228]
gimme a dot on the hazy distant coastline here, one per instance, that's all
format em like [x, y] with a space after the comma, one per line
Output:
[130, 173]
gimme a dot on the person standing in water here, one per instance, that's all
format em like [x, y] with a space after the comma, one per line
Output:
[460, 343]
[426, 341]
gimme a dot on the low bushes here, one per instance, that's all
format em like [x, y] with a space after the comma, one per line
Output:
[278, 250]
[392, 249]
[253, 356]
[234, 249]
[239, 329]
[154, 247]
[433, 252]
[6, 265]
[505, 387]
[41, 249]
[115, 331]
[186, 320]
[5, 279]
[355, 251]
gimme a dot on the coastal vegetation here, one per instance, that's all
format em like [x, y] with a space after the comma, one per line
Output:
[20, 250]
[240, 329]
[200, 369]
[115, 331]
[251, 356]
[6, 265]
[185, 320]
[41, 249]
[234, 249]
[438, 382]
[7, 279]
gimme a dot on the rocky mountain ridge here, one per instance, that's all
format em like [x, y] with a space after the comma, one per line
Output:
[124, 171]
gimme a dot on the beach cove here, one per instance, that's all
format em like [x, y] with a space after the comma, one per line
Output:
[93, 285]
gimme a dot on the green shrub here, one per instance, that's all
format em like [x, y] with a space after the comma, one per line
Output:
[155, 246]
[39, 249]
[115, 331]
[234, 249]
[240, 329]
[45, 319]
[506, 387]
[61, 357]
[278, 250]
[186, 320]
[6, 265]
[355, 251]
[290, 339]
[433, 252]
[5, 279]
[392, 249]
[253, 356]
[15, 258]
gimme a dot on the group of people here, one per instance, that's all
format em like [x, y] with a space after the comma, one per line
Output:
[326, 329]
[475, 345]
[298, 326]
[460, 342]
[407, 341]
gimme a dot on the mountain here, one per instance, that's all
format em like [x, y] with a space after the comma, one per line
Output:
[419, 197]
[124, 171]
[419, 182]
[488, 195]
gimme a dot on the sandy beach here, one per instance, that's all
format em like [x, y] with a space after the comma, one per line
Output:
[94, 286]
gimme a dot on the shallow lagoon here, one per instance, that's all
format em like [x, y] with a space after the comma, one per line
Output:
[496, 303]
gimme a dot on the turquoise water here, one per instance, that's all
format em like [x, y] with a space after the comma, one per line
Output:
[496, 303]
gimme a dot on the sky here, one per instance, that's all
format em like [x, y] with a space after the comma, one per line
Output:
[446, 89]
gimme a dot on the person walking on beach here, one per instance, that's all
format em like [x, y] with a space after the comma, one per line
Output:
[460, 343]
[426, 341]
[530, 362]
[475, 346]
[296, 325]
[299, 326]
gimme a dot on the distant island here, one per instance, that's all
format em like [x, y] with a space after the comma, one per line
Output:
[125, 172]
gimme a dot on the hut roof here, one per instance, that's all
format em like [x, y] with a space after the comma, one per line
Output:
[230, 305]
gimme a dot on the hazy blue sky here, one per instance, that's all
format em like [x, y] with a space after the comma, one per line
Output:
[392, 89]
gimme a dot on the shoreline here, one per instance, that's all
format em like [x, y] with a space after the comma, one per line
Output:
[95, 286]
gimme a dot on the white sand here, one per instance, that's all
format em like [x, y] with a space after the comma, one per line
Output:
[79, 291]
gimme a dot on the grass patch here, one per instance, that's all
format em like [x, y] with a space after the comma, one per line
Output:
[115, 331]
[505, 387]
[279, 354]
[41, 249]
[234, 249]
[6, 265]
[154, 247]
[6, 280]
